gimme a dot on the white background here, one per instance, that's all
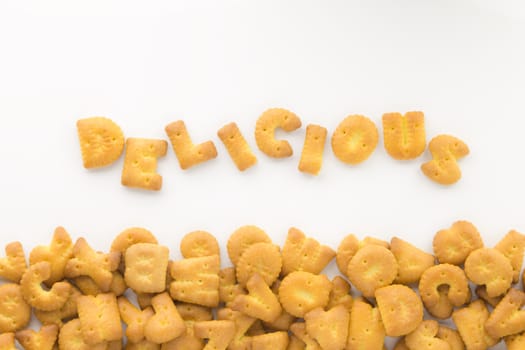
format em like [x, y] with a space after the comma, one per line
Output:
[213, 62]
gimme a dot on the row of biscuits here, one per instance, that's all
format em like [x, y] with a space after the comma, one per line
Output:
[353, 141]
[270, 298]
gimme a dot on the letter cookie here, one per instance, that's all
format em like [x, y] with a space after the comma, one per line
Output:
[312, 154]
[186, 151]
[101, 141]
[13, 266]
[354, 140]
[140, 163]
[404, 135]
[239, 150]
[446, 150]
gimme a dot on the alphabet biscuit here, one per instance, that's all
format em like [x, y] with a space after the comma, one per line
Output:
[508, 317]
[298, 329]
[301, 253]
[44, 339]
[354, 139]
[366, 330]
[260, 302]
[404, 135]
[312, 154]
[328, 328]
[401, 309]
[101, 141]
[87, 262]
[236, 145]
[140, 163]
[261, 258]
[372, 267]
[446, 150]
[273, 340]
[186, 151]
[513, 247]
[443, 287]
[265, 127]
[67, 311]
[425, 337]
[15, 313]
[7, 341]
[489, 267]
[302, 291]
[146, 267]
[196, 280]
[13, 265]
[242, 238]
[453, 245]
[38, 297]
[218, 332]
[470, 321]
[199, 243]
[166, 324]
[242, 324]
[411, 261]
[134, 318]
[99, 318]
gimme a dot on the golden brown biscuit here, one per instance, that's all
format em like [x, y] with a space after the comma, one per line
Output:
[199, 243]
[354, 139]
[44, 339]
[260, 302]
[312, 154]
[13, 266]
[373, 240]
[67, 311]
[242, 324]
[242, 238]
[366, 330]
[265, 127]
[298, 329]
[101, 141]
[218, 332]
[453, 245]
[188, 153]
[272, 340]
[446, 150]
[513, 247]
[443, 287]
[89, 287]
[401, 309]
[57, 254]
[508, 318]
[166, 324]
[452, 337]
[140, 163]
[259, 258]
[134, 318]
[470, 321]
[372, 267]
[228, 286]
[281, 323]
[146, 267]
[301, 253]
[87, 262]
[346, 251]
[15, 313]
[71, 338]
[340, 294]
[296, 343]
[36, 295]
[237, 147]
[196, 280]
[302, 291]
[328, 328]
[411, 261]
[425, 337]
[489, 267]
[99, 318]
[404, 135]
[7, 341]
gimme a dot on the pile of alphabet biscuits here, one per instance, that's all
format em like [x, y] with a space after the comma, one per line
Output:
[265, 297]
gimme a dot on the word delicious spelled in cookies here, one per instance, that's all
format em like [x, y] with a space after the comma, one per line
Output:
[353, 141]
[266, 296]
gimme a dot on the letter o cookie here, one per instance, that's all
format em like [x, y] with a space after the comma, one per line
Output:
[354, 140]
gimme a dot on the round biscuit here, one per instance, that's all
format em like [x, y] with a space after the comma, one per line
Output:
[262, 258]
[242, 238]
[354, 139]
[302, 291]
[199, 243]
